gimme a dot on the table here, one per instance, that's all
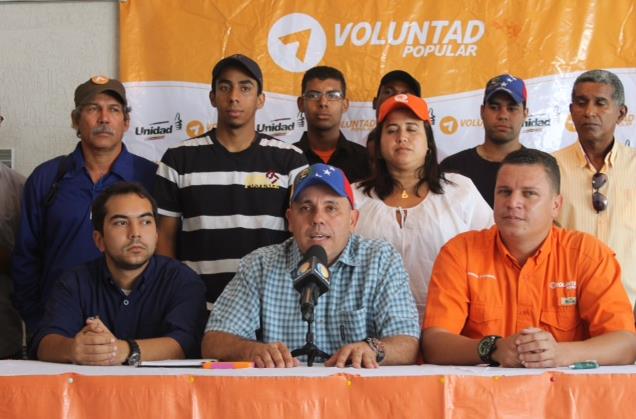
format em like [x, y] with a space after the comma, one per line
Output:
[31, 389]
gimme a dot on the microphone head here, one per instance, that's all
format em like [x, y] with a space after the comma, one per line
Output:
[312, 269]
[315, 258]
[318, 252]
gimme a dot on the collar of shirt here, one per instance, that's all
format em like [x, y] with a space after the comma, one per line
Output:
[212, 135]
[341, 146]
[610, 157]
[539, 256]
[123, 166]
[145, 277]
[347, 257]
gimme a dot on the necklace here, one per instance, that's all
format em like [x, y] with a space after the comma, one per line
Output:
[404, 194]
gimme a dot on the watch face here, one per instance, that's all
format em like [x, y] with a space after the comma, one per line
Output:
[485, 345]
[134, 359]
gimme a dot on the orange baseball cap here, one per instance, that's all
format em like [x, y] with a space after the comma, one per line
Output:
[416, 104]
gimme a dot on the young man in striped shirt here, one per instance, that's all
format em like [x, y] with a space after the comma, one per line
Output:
[224, 193]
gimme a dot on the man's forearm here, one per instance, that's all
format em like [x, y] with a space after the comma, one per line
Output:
[159, 348]
[444, 348]
[226, 346]
[400, 350]
[614, 348]
[55, 348]
[168, 229]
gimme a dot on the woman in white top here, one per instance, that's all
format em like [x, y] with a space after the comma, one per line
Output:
[408, 201]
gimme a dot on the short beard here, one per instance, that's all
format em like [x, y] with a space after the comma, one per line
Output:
[127, 266]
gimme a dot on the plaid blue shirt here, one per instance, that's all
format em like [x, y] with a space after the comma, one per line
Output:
[369, 295]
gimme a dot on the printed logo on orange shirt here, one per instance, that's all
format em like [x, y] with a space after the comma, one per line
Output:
[570, 285]
[484, 276]
[568, 301]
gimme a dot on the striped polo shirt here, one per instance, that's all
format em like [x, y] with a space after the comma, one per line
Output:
[229, 203]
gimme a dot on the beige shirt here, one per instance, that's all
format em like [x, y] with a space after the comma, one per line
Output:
[616, 226]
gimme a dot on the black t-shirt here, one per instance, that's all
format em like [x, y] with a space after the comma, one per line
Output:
[482, 172]
[350, 157]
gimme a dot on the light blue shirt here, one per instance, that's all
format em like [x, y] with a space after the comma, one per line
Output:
[369, 296]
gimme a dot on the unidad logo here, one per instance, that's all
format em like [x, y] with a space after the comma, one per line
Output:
[296, 42]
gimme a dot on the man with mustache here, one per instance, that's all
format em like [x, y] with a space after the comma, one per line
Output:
[224, 193]
[55, 231]
[368, 317]
[599, 170]
[526, 293]
[128, 305]
[503, 114]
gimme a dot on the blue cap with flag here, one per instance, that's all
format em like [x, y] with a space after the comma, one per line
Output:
[511, 85]
[322, 174]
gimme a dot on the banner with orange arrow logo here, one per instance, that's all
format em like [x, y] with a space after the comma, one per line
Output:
[169, 47]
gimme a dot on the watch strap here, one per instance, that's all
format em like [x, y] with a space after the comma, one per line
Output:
[378, 347]
[134, 356]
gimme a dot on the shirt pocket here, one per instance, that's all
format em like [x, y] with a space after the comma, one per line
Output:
[353, 326]
[565, 325]
[485, 319]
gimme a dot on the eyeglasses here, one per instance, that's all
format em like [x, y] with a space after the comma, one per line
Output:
[599, 201]
[332, 96]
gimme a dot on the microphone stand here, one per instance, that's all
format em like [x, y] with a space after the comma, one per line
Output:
[310, 349]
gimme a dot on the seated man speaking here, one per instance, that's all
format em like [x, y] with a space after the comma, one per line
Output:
[368, 316]
[128, 305]
[526, 293]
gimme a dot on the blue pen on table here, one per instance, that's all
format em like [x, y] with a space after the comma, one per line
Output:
[584, 365]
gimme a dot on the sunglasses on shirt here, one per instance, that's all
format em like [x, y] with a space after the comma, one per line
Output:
[599, 201]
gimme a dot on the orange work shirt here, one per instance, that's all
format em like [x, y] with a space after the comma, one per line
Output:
[571, 287]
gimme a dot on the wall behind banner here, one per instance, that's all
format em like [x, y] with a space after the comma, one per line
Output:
[46, 50]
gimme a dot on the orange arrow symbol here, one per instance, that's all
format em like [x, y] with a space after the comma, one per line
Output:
[302, 39]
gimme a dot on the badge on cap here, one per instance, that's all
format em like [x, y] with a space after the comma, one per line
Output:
[401, 98]
[100, 79]
[302, 175]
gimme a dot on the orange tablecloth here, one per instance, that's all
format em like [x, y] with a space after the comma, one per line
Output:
[390, 392]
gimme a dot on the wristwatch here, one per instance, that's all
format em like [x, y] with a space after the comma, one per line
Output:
[486, 347]
[134, 357]
[378, 348]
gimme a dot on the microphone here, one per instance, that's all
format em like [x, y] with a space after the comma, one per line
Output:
[312, 280]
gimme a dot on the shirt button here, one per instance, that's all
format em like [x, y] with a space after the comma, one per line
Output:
[126, 302]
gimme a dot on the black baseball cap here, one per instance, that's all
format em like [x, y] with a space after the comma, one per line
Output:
[242, 61]
[402, 76]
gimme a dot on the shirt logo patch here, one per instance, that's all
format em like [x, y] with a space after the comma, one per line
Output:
[272, 176]
[262, 181]
[568, 301]
[570, 285]
[484, 276]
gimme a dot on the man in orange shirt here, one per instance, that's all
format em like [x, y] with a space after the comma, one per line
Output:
[526, 293]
